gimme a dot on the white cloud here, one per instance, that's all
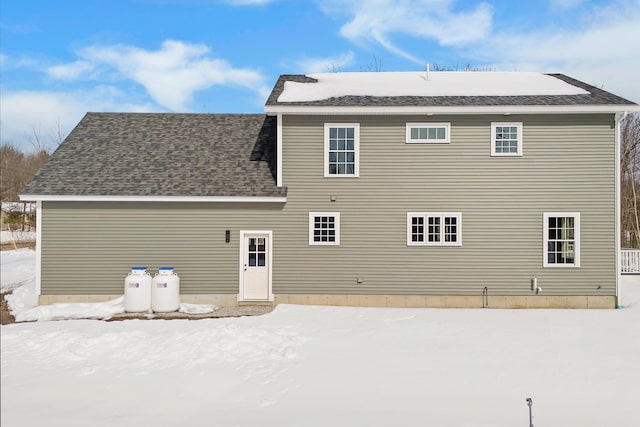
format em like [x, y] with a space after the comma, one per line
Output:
[45, 112]
[379, 20]
[601, 52]
[171, 75]
[71, 71]
[309, 65]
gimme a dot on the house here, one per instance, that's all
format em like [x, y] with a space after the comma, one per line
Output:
[414, 189]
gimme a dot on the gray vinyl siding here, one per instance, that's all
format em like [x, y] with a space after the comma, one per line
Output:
[88, 248]
[568, 165]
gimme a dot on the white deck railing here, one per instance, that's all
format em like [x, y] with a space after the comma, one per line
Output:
[630, 261]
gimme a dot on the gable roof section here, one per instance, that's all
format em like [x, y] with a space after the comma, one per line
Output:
[536, 91]
[163, 155]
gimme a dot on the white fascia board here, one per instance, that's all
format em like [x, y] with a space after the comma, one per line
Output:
[485, 109]
[208, 199]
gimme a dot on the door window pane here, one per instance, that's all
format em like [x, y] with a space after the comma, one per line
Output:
[256, 252]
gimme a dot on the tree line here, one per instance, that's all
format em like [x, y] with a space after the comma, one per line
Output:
[630, 182]
[17, 169]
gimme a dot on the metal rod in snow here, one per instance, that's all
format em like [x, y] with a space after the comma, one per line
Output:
[427, 72]
[530, 404]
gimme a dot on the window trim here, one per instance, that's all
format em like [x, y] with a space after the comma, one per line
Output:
[413, 125]
[545, 239]
[356, 149]
[441, 215]
[336, 216]
[519, 127]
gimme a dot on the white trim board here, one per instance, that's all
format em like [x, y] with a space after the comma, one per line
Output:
[279, 129]
[485, 109]
[209, 199]
[243, 233]
[39, 248]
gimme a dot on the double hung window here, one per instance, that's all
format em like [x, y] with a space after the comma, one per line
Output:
[341, 149]
[506, 139]
[561, 239]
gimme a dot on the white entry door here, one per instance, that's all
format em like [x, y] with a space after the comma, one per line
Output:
[255, 266]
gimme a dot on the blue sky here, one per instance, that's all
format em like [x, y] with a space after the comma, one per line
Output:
[60, 59]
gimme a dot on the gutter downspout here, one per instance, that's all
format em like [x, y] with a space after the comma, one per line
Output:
[618, 214]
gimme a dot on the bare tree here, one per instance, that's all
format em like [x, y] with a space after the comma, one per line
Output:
[17, 169]
[630, 181]
[10, 161]
[457, 67]
[376, 65]
[60, 134]
[333, 68]
[41, 143]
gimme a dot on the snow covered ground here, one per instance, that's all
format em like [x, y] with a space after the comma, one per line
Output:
[7, 236]
[325, 366]
[17, 268]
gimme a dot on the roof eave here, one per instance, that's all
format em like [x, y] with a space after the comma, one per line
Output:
[180, 199]
[485, 109]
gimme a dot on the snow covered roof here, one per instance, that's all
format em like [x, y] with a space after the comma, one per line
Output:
[334, 85]
[436, 89]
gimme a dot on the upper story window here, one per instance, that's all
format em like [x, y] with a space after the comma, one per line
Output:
[506, 139]
[428, 133]
[434, 228]
[341, 149]
[324, 228]
[561, 239]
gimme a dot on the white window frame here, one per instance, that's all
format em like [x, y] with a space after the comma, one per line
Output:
[447, 133]
[356, 149]
[336, 220]
[442, 216]
[518, 126]
[576, 238]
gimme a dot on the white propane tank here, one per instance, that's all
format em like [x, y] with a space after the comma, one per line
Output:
[137, 290]
[165, 291]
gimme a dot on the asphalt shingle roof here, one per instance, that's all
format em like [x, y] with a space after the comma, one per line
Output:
[596, 96]
[151, 154]
[191, 155]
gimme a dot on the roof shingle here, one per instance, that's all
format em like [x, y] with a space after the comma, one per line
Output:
[596, 96]
[155, 154]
